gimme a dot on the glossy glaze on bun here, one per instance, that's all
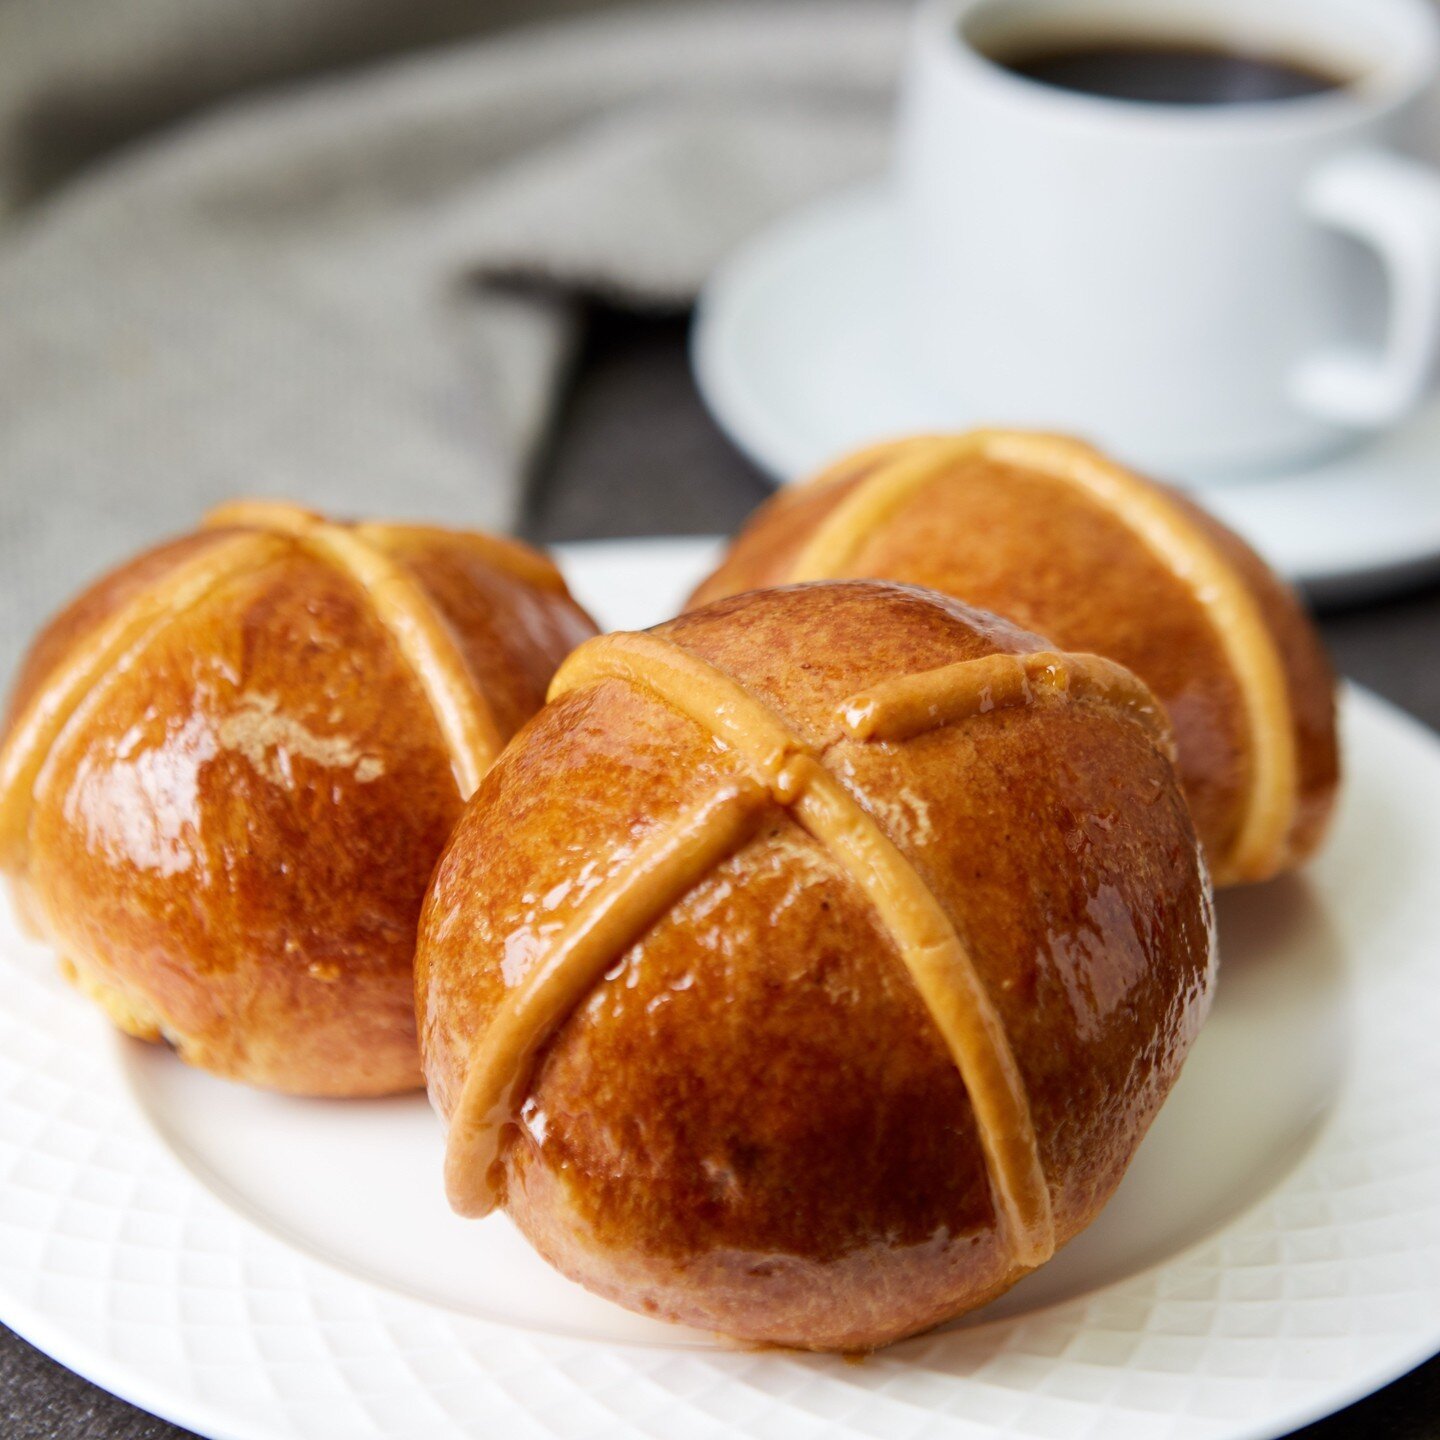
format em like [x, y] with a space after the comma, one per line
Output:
[812, 965]
[1059, 538]
[230, 765]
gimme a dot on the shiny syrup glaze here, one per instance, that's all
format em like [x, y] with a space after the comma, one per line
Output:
[229, 825]
[1050, 532]
[790, 772]
[751, 1122]
[568, 962]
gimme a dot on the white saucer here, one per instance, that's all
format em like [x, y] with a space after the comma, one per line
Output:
[799, 352]
[261, 1268]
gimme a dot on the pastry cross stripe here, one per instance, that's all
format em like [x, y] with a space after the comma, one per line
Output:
[899, 471]
[782, 769]
[912, 704]
[402, 605]
[497, 551]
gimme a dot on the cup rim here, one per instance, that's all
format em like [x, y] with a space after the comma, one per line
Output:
[1400, 77]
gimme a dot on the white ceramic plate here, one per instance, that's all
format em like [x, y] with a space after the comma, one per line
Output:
[800, 353]
[259, 1268]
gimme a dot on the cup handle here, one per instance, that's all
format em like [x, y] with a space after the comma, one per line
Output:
[1392, 204]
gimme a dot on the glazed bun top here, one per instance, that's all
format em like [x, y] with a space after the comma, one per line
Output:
[997, 822]
[419, 584]
[1053, 534]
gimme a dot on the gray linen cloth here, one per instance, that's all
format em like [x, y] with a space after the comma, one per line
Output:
[360, 293]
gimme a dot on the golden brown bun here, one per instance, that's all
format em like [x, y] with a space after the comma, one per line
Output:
[747, 1118]
[223, 785]
[998, 519]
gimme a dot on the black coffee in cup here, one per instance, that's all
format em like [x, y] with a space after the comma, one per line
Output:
[1167, 72]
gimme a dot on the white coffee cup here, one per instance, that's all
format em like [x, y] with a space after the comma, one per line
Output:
[1180, 282]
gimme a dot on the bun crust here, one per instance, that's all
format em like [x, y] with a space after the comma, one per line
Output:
[1052, 534]
[226, 775]
[751, 1108]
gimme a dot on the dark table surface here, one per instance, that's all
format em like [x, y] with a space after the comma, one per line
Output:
[635, 454]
